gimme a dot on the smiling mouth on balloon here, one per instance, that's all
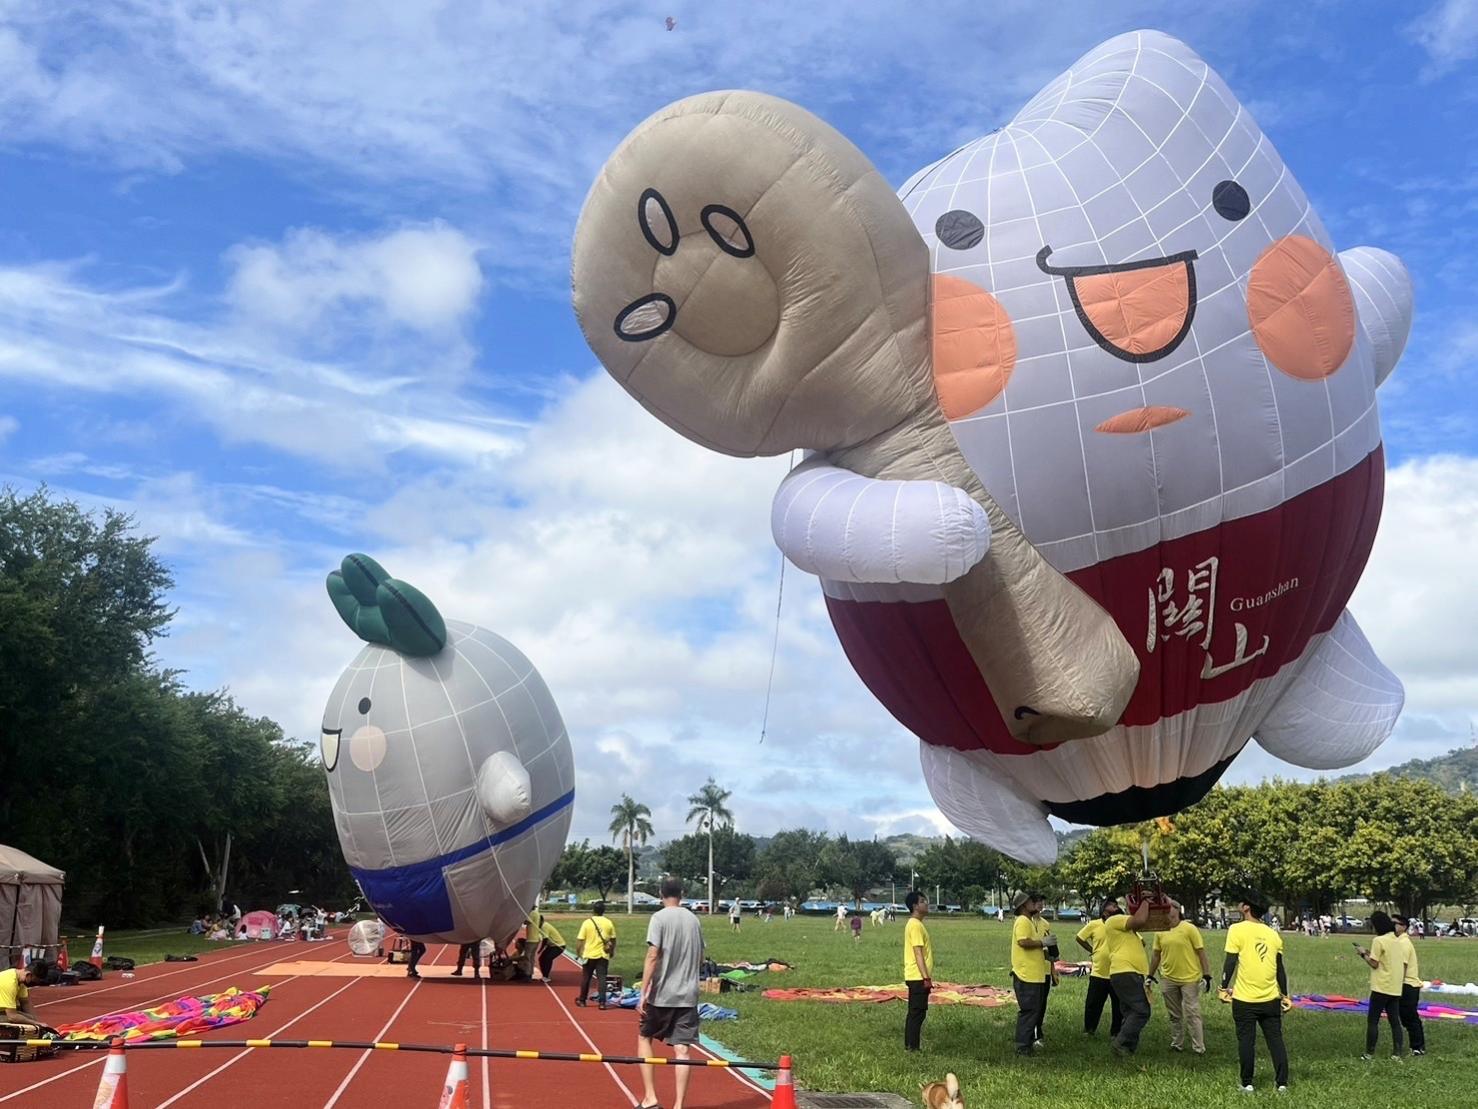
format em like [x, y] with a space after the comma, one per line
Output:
[1137, 311]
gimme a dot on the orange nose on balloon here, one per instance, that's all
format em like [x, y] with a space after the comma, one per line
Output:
[974, 347]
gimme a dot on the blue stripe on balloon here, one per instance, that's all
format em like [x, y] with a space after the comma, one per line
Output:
[513, 831]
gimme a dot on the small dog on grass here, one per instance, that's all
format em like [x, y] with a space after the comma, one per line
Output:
[943, 1095]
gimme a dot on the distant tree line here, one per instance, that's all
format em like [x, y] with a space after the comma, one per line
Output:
[1306, 846]
[156, 800]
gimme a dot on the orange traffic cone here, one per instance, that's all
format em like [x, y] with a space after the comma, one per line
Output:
[784, 1097]
[96, 959]
[113, 1089]
[454, 1092]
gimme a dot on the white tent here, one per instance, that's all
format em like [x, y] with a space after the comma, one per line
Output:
[30, 904]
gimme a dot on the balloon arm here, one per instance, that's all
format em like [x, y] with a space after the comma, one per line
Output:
[843, 526]
[1383, 300]
[1342, 705]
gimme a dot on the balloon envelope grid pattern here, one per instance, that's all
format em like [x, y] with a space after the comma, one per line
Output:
[417, 738]
[1118, 161]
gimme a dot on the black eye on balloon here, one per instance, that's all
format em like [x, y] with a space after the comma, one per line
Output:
[1230, 201]
[728, 230]
[658, 226]
[364, 706]
[959, 229]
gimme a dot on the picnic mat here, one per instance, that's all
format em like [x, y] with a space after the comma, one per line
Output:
[184, 1016]
[944, 993]
[1426, 1010]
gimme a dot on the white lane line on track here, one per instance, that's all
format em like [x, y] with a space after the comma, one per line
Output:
[738, 1076]
[348, 1078]
[101, 1056]
[231, 1062]
[631, 1099]
[487, 1096]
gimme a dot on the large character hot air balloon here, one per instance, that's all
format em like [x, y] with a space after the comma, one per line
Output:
[1095, 456]
[449, 768]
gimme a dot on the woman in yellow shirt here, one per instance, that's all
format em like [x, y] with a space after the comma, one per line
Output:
[1387, 970]
[1411, 989]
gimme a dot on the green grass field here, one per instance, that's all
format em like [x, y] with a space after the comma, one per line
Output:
[859, 1047]
[143, 945]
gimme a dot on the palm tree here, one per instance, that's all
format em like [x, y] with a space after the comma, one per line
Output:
[708, 808]
[631, 824]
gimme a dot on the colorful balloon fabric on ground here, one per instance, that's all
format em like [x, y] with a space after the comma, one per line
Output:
[1094, 451]
[449, 767]
[185, 1016]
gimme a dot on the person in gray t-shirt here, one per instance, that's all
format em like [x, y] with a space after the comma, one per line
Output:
[668, 1010]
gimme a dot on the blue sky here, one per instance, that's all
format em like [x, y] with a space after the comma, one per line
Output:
[290, 279]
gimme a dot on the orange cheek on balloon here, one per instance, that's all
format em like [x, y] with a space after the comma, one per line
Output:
[974, 346]
[1300, 308]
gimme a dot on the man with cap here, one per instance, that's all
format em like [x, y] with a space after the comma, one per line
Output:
[1091, 939]
[1030, 939]
[1127, 969]
[1411, 987]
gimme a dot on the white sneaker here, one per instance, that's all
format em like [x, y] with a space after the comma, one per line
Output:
[1282, 1089]
[1248, 1090]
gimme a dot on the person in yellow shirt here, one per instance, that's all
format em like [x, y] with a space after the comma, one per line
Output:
[1030, 938]
[918, 968]
[1411, 988]
[596, 944]
[551, 944]
[1387, 962]
[1090, 939]
[1180, 956]
[1127, 968]
[1255, 981]
[15, 995]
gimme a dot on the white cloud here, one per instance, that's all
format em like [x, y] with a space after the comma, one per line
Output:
[519, 102]
[8, 426]
[1449, 33]
[386, 390]
[426, 278]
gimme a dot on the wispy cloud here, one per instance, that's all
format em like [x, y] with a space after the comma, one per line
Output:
[1449, 34]
[388, 387]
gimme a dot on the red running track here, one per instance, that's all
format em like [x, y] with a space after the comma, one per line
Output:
[433, 1010]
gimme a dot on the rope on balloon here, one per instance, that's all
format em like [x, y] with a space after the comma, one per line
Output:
[775, 643]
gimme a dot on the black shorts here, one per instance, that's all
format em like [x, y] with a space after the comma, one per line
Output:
[672, 1024]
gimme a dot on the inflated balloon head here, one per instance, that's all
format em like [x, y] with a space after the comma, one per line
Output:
[380, 609]
[448, 766]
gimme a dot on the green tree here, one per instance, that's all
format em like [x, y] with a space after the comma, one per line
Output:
[81, 600]
[855, 866]
[710, 811]
[787, 867]
[1100, 865]
[604, 866]
[729, 854]
[631, 823]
